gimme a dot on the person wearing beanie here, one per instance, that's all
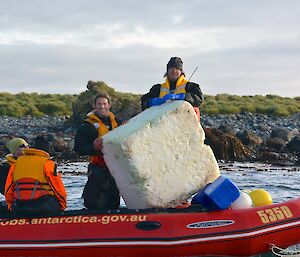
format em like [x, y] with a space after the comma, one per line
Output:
[16, 147]
[33, 184]
[176, 87]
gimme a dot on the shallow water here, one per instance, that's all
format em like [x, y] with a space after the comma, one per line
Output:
[282, 182]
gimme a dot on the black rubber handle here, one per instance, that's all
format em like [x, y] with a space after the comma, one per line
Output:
[148, 225]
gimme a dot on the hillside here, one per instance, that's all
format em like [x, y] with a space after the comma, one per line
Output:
[126, 105]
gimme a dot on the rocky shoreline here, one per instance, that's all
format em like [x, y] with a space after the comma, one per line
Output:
[254, 137]
[242, 137]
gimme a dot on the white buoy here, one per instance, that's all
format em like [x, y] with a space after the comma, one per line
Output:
[244, 201]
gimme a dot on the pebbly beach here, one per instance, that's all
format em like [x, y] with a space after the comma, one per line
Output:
[233, 137]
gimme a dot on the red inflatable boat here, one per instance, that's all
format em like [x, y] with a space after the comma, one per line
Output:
[168, 232]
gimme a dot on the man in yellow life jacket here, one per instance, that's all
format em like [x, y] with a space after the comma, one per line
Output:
[33, 185]
[16, 147]
[176, 87]
[100, 190]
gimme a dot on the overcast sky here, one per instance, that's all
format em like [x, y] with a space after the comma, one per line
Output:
[242, 47]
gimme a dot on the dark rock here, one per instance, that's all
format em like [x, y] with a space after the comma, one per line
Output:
[249, 138]
[294, 144]
[228, 129]
[59, 144]
[226, 146]
[263, 127]
[275, 143]
[271, 156]
[282, 133]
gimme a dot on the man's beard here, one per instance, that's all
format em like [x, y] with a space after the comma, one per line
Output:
[98, 113]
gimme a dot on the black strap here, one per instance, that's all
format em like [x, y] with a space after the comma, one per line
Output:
[18, 191]
[55, 170]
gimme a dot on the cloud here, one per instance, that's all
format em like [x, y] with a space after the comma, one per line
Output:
[245, 47]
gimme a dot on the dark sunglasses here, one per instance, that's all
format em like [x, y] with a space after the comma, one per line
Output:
[23, 146]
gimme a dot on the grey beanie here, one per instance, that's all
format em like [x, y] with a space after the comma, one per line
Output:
[175, 62]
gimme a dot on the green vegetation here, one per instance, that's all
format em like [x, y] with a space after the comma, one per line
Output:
[124, 105]
[34, 104]
[18, 105]
[269, 104]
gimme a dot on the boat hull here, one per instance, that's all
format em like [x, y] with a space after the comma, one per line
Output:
[183, 232]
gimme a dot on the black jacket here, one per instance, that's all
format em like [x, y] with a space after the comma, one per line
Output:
[4, 169]
[85, 136]
[193, 95]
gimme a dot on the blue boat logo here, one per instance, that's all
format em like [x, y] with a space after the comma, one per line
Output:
[210, 224]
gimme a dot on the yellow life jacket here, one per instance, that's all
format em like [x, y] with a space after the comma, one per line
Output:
[99, 125]
[10, 159]
[29, 176]
[180, 87]
[102, 130]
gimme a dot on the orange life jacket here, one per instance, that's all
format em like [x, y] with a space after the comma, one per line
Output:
[179, 88]
[30, 182]
[102, 130]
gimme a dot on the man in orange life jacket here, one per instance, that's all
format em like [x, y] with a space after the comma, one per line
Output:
[15, 146]
[100, 190]
[177, 84]
[33, 185]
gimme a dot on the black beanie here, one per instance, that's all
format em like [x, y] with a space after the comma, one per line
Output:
[175, 62]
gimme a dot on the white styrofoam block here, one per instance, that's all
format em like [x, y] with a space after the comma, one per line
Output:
[158, 158]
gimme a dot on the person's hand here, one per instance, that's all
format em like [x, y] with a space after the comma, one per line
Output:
[98, 144]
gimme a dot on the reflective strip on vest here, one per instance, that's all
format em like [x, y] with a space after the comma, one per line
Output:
[163, 89]
[29, 189]
[179, 88]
